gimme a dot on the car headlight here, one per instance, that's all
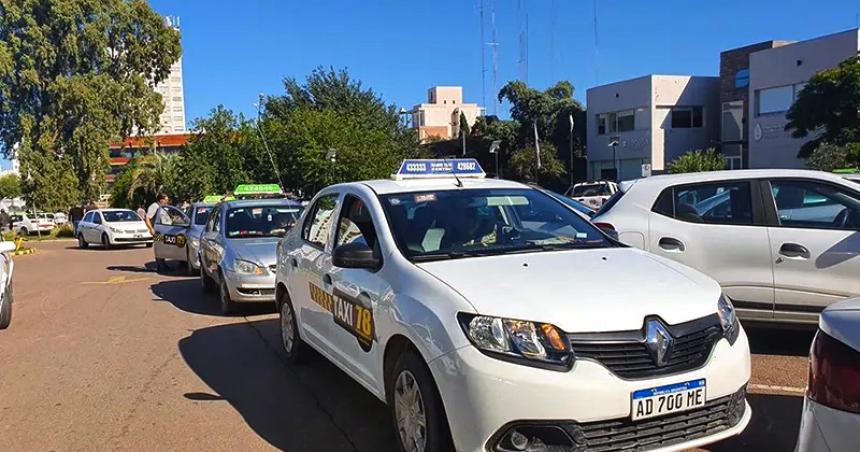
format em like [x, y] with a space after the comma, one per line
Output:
[728, 319]
[249, 268]
[195, 242]
[531, 343]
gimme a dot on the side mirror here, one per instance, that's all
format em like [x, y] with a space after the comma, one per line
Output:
[355, 255]
[6, 247]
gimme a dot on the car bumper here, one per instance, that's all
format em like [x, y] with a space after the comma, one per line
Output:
[824, 429]
[249, 288]
[484, 397]
[116, 238]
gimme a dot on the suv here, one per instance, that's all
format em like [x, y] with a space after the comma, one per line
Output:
[784, 244]
[491, 317]
[592, 194]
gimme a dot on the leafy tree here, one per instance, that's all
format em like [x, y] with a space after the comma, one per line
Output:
[828, 107]
[523, 164]
[489, 129]
[143, 178]
[10, 186]
[464, 126]
[697, 161]
[74, 75]
[828, 157]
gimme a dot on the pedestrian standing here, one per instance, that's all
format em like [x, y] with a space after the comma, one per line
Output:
[76, 214]
[4, 220]
[141, 213]
[153, 212]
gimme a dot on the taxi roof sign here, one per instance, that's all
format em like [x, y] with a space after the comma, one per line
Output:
[426, 168]
[257, 189]
[214, 199]
[846, 171]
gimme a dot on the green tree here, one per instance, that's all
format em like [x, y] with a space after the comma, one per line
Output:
[828, 107]
[828, 156]
[10, 186]
[523, 164]
[697, 161]
[143, 178]
[74, 75]
[464, 125]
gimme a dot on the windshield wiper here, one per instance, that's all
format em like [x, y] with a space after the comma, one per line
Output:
[445, 255]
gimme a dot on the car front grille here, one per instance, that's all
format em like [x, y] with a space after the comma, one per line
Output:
[626, 355]
[716, 416]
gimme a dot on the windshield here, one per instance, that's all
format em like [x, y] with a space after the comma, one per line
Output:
[477, 222]
[114, 216]
[591, 190]
[575, 205]
[262, 221]
[202, 215]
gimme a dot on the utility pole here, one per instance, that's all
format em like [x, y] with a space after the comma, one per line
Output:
[483, 59]
[495, 45]
[571, 149]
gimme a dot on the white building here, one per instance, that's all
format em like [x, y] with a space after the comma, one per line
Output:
[172, 93]
[653, 119]
[439, 118]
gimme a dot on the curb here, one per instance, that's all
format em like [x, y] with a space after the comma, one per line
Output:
[23, 252]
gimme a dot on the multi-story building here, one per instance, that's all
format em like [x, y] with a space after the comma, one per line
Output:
[776, 76]
[637, 126]
[122, 153]
[439, 118]
[172, 93]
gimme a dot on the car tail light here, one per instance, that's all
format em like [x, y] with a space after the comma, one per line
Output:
[834, 374]
[607, 227]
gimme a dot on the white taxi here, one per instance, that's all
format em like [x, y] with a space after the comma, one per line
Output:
[490, 317]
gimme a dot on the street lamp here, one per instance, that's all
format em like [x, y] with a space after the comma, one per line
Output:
[570, 137]
[494, 149]
[614, 143]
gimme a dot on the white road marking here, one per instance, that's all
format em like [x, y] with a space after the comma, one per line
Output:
[772, 388]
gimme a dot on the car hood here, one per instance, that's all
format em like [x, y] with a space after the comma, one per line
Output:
[127, 225]
[262, 251]
[607, 289]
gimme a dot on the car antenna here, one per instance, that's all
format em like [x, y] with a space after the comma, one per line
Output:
[454, 173]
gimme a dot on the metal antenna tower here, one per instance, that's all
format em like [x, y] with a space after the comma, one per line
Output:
[524, 42]
[495, 45]
[596, 42]
[552, 41]
[483, 59]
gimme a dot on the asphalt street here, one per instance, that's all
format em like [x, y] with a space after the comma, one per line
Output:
[105, 354]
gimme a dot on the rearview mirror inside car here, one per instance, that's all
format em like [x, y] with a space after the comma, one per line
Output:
[355, 255]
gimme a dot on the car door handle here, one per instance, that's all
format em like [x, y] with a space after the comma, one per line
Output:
[327, 279]
[794, 250]
[672, 244]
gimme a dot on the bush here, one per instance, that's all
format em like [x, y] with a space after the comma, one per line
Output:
[697, 161]
[828, 157]
[10, 236]
[64, 231]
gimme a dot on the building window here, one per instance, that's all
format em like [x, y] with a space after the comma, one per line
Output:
[177, 99]
[687, 117]
[626, 121]
[601, 124]
[742, 78]
[777, 99]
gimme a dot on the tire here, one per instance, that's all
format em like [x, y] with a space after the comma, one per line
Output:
[293, 345]
[106, 242]
[5, 312]
[410, 372]
[206, 283]
[189, 268]
[149, 244]
[24, 232]
[82, 242]
[228, 307]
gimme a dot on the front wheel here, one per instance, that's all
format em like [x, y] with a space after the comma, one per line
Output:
[106, 241]
[293, 345]
[189, 267]
[5, 312]
[227, 305]
[416, 407]
[82, 242]
[206, 283]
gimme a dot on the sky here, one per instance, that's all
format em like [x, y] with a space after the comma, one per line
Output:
[233, 51]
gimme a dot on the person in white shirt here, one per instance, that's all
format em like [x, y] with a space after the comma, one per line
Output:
[156, 209]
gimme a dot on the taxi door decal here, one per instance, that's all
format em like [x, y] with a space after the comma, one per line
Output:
[353, 314]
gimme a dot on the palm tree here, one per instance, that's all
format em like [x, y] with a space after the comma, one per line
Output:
[150, 174]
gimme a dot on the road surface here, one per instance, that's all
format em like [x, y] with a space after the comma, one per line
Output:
[105, 354]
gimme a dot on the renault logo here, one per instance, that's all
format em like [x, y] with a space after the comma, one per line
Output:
[658, 341]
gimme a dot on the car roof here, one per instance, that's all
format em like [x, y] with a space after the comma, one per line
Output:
[391, 186]
[260, 203]
[665, 180]
[114, 209]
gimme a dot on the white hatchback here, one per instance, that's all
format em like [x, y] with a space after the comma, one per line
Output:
[112, 227]
[490, 317]
[783, 244]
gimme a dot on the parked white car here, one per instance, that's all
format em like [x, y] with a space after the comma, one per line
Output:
[31, 223]
[592, 194]
[7, 267]
[112, 227]
[831, 408]
[784, 244]
[60, 218]
[491, 317]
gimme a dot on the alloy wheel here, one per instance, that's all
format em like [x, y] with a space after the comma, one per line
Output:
[287, 330]
[410, 413]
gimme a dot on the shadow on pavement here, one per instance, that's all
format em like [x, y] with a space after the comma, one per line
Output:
[145, 268]
[774, 425]
[307, 407]
[187, 295]
[769, 340]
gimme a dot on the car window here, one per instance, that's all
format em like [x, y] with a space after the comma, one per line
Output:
[170, 215]
[466, 223]
[598, 189]
[356, 224]
[112, 216]
[713, 203]
[97, 219]
[318, 224]
[214, 220]
[201, 214]
[808, 204]
[260, 221]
